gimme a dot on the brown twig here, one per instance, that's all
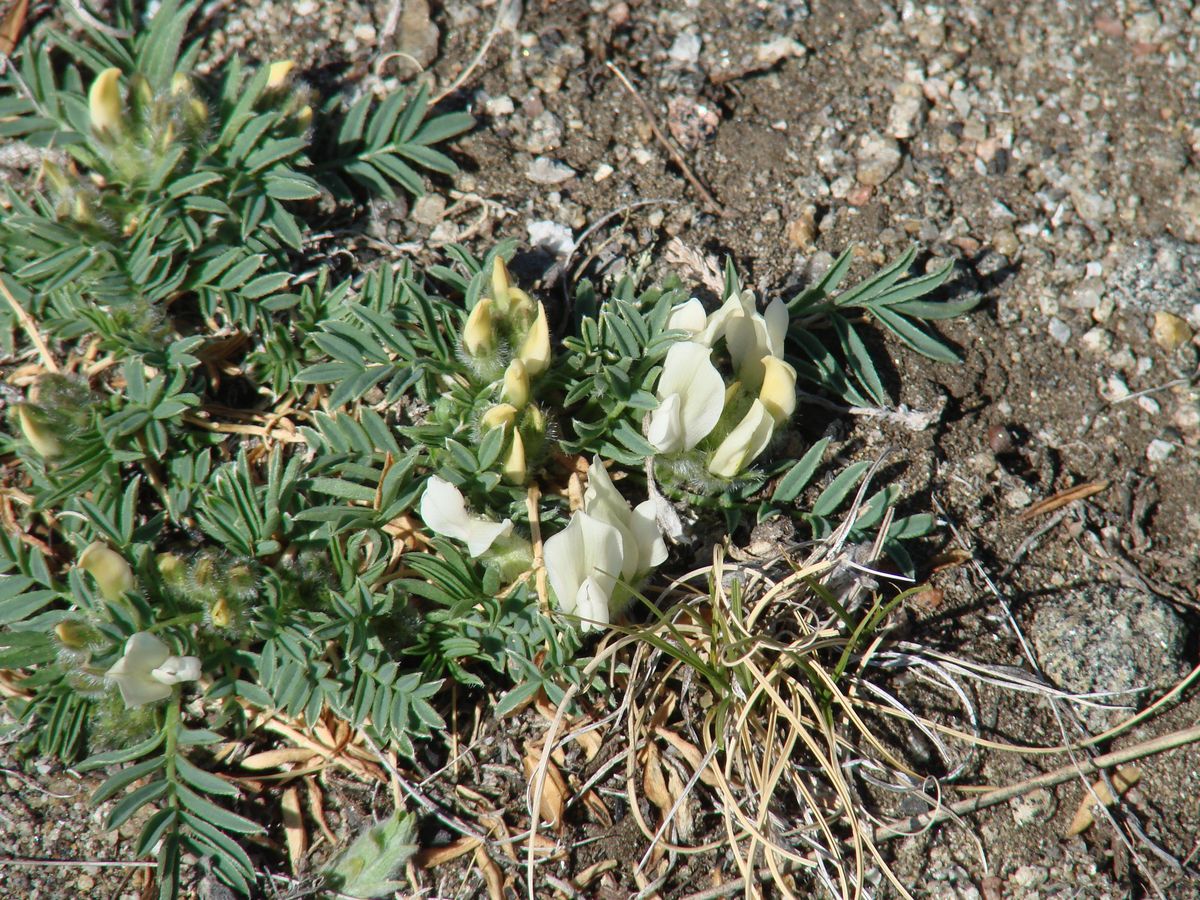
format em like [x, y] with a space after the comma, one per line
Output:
[31, 329]
[710, 201]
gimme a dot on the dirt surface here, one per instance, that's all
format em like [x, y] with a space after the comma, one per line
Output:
[1053, 151]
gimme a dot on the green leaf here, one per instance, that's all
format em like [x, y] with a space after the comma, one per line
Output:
[837, 491]
[216, 815]
[790, 485]
[204, 781]
[127, 776]
[123, 755]
[134, 801]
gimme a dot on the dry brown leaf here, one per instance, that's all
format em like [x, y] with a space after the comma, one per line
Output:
[429, 857]
[682, 821]
[554, 788]
[293, 827]
[949, 559]
[1122, 780]
[12, 25]
[498, 828]
[273, 759]
[1062, 498]
[653, 781]
[597, 807]
[589, 741]
[663, 711]
[491, 874]
[691, 753]
[316, 806]
[592, 872]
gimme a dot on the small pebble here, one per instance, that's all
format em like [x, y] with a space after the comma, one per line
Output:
[1159, 450]
[544, 170]
[1059, 330]
[878, 157]
[604, 170]
[1170, 331]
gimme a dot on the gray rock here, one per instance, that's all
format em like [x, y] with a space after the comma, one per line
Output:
[545, 133]
[908, 109]
[1060, 331]
[1155, 274]
[878, 157]
[418, 36]
[685, 51]
[1104, 638]
[544, 170]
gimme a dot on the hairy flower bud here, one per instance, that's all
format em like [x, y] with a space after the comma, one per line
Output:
[112, 573]
[516, 384]
[479, 337]
[278, 73]
[514, 463]
[38, 433]
[498, 416]
[104, 104]
[535, 350]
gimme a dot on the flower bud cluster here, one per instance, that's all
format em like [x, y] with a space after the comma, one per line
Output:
[506, 339]
[710, 429]
[53, 415]
[225, 592]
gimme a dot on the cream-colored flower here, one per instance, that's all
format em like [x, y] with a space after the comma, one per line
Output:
[112, 573]
[689, 399]
[583, 562]
[444, 510]
[147, 671]
[642, 545]
[778, 391]
[742, 445]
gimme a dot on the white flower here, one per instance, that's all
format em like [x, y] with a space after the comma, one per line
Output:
[147, 670]
[689, 316]
[744, 443]
[642, 546]
[583, 562]
[444, 510]
[750, 336]
[778, 392]
[689, 399]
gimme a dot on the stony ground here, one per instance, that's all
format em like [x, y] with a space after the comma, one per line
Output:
[1051, 149]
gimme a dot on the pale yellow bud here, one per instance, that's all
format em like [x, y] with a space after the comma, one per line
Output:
[112, 573]
[778, 391]
[222, 615]
[499, 416]
[81, 211]
[535, 351]
[197, 112]
[304, 116]
[41, 437]
[535, 422]
[478, 334]
[279, 73]
[104, 103]
[72, 635]
[500, 283]
[516, 384]
[180, 84]
[171, 567]
[514, 463]
[520, 304]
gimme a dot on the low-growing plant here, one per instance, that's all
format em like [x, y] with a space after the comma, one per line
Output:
[230, 492]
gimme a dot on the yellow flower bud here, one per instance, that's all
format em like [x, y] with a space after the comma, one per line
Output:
[203, 572]
[180, 85]
[72, 635]
[535, 351]
[478, 335]
[742, 445]
[41, 437]
[221, 614]
[108, 567]
[140, 92]
[81, 210]
[500, 283]
[516, 384]
[304, 117]
[520, 304]
[104, 103]
[499, 416]
[279, 73]
[778, 391]
[535, 423]
[170, 567]
[514, 463]
[196, 112]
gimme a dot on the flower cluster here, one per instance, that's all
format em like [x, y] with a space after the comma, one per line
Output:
[726, 426]
[506, 340]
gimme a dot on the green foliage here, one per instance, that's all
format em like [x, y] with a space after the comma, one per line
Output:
[366, 868]
[250, 450]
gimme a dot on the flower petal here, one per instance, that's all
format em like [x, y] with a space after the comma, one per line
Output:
[744, 443]
[652, 549]
[591, 605]
[778, 392]
[665, 428]
[444, 511]
[176, 669]
[688, 316]
[688, 372]
[777, 320]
